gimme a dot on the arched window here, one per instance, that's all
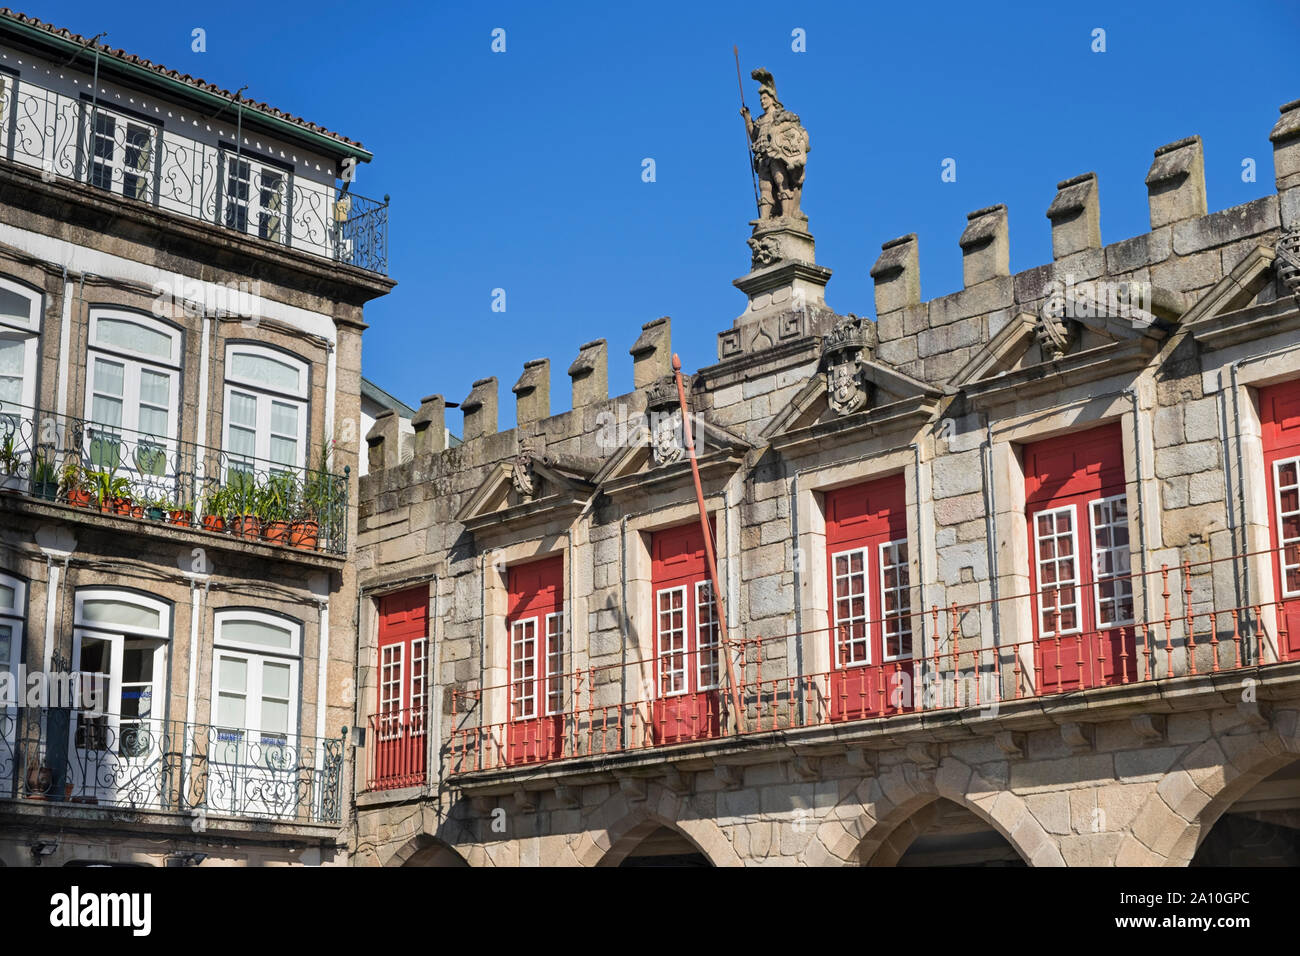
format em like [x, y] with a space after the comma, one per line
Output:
[119, 647]
[266, 408]
[20, 326]
[255, 671]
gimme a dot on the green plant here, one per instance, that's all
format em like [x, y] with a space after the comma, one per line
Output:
[319, 488]
[108, 487]
[8, 454]
[216, 501]
[243, 493]
[43, 472]
[72, 477]
[278, 499]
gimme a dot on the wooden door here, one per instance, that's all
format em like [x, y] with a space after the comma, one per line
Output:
[869, 592]
[535, 625]
[1080, 560]
[688, 657]
[1279, 412]
[400, 745]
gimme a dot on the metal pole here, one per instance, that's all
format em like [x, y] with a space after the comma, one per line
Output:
[749, 149]
[721, 612]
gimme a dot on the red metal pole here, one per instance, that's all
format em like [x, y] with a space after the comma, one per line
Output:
[689, 438]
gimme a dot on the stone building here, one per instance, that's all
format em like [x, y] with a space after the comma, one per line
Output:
[1009, 576]
[181, 294]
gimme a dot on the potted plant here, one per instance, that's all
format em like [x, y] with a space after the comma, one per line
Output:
[278, 506]
[74, 483]
[317, 502]
[156, 509]
[244, 501]
[180, 511]
[216, 506]
[45, 479]
[10, 480]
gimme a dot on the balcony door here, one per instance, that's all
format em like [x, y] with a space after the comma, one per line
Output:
[119, 739]
[687, 639]
[1279, 410]
[869, 585]
[1080, 560]
[535, 622]
[19, 340]
[13, 608]
[257, 763]
[400, 744]
[133, 401]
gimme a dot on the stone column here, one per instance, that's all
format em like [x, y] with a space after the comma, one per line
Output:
[430, 425]
[1286, 163]
[652, 354]
[480, 409]
[590, 374]
[533, 392]
[384, 441]
[897, 274]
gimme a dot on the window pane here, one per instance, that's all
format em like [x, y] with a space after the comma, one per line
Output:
[232, 674]
[155, 388]
[121, 613]
[243, 409]
[6, 596]
[15, 306]
[256, 632]
[230, 710]
[125, 334]
[275, 680]
[275, 717]
[13, 356]
[260, 368]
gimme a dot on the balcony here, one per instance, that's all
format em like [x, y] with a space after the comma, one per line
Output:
[133, 158]
[168, 484]
[66, 756]
[957, 679]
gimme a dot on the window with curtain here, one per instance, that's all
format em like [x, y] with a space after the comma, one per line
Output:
[19, 328]
[266, 409]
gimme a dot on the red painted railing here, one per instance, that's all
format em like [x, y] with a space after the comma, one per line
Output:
[608, 709]
[398, 748]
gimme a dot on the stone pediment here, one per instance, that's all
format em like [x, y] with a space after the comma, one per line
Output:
[653, 455]
[1080, 332]
[531, 487]
[876, 400]
[1226, 315]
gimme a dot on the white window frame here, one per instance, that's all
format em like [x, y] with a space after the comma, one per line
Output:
[15, 619]
[553, 692]
[390, 717]
[419, 693]
[865, 640]
[522, 632]
[28, 333]
[1282, 542]
[900, 563]
[664, 656]
[1122, 579]
[257, 655]
[164, 610]
[116, 164]
[707, 643]
[265, 395]
[134, 364]
[1077, 604]
[255, 211]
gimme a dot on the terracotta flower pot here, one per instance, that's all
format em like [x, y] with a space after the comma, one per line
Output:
[122, 506]
[214, 523]
[182, 518]
[247, 526]
[80, 499]
[304, 534]
[276, 532]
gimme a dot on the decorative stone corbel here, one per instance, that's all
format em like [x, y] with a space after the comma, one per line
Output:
[1149, 726]
[525, 800]
[1078, 737]
[482, 806]
[1010, 743]
[730, 776]
[806, 768]
[633, 788]
[923, 755]
[864, 761]
[1287, 261]
[567, 796]
[1254, 714]
[676, 781]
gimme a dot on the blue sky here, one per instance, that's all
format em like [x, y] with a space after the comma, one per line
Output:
[522, 170]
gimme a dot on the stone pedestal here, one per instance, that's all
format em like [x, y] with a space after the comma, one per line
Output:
[785, 286]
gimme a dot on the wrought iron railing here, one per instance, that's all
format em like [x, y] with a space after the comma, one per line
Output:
[938, 664]
[90, 142]
[65, 755]
[170, 483]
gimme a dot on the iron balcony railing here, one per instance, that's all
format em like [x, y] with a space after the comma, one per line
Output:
[170, 483]
[940, 662]
[398, 748]
[69, 756]
[134, 157]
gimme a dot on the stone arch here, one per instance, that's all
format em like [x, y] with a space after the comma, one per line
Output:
[425, 850]
[862, 823]
[1200, 787]
[619, 824]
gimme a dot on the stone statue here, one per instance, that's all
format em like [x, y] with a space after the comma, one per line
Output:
[780, 147]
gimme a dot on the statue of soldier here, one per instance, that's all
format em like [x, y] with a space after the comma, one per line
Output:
[780, 147]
